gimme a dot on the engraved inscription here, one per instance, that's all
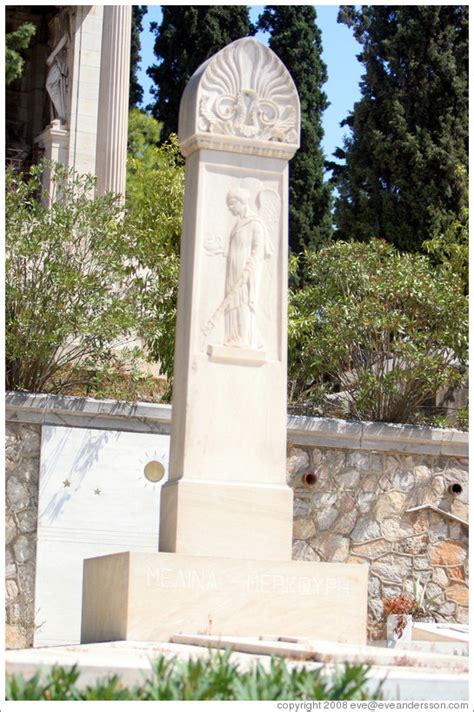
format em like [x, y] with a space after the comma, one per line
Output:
[269, 583]
[252, 241]
[247, 92]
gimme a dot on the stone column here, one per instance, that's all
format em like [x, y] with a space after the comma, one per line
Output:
[54, 140]
[227, 495]
[111, 157]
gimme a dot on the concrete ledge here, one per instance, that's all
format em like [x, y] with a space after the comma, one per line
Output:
[48, 409]
[72, 411]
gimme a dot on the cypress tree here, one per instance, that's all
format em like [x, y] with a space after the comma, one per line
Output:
[187, 36]
[135, 95]
[406, 156]
[296, 39]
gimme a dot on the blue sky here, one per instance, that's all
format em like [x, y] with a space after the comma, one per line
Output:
[339, 53]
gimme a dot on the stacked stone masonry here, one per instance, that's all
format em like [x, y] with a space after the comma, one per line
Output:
[356, 512]
[22, 480]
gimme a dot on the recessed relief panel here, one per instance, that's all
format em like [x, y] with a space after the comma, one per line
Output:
[240, 252]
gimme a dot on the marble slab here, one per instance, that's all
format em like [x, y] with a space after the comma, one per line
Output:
[94, 498]
[150, 597]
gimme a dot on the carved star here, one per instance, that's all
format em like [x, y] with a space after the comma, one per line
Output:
[97, 491]
[66, 483]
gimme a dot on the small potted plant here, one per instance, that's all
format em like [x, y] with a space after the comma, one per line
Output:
[399, 612]
[425, 609]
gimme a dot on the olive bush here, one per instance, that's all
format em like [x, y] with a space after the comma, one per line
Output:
[384, 330]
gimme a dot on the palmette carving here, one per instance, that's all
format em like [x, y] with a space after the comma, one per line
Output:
[247, 92]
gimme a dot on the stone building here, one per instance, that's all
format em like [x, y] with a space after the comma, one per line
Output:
[71, 103]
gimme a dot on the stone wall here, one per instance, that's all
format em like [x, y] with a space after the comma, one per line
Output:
[382, 495]
[22, 480]
[358, 511]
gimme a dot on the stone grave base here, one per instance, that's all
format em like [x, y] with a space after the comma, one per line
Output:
[151, 597]
[219, 519]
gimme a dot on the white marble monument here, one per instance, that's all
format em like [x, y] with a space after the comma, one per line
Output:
[227, 494]
[226, 510]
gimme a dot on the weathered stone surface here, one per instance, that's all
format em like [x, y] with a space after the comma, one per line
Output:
[316, 456]
[303, 528]
[387, 569]
[10, 570]
[24, 548]
[359, 460]
[403, 480]
[334, 460]
[412, 545]
[460, 509]
[369, 483]
[347, 503]
[376, 463]
[439, 577]
[420, 563]
[297, 463]
[459, 593]
[433, 591]
[365, 501]
[11, 591]
[10, 529]
[15, 638]
[15, 613]
[391, 464]
[448, 553]
[456, 573]
[422, 474]
[345, 523]
[27, 521]
[374, 587]
[304, 552]
[376, 609]
[396, 528]
[365, 529]
[26, 580]
[17, 494]
[447, 609]
[462, 615]
[438, 486]
[348, 479]
[372, 549]
[389, 504]
[301, 507]
[324, 500]
[325, 518]
[331, 547]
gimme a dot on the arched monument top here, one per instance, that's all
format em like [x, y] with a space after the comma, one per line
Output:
[243, 99]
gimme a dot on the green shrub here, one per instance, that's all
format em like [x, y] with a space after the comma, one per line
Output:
[385, 329]
[212, 678]
[67, 279]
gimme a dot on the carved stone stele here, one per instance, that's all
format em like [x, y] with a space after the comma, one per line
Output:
[227, 493]
[242, 99]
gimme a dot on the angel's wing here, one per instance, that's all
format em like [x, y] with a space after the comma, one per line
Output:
[269, 210]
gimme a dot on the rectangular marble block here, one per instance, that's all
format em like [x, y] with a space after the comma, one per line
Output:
[150, 597]
[227, 519]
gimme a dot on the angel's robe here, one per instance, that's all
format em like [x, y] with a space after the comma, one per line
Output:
[247, 246]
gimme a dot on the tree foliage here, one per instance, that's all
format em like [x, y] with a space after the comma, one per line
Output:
[400, 181]
[155, 194]
[15, 41]
[63, 267]
[296, 39]
[187, 36]
[135, 96]
[386, 329]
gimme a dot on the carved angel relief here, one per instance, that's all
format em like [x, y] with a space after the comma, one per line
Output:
[252, 241]
[247, 92]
